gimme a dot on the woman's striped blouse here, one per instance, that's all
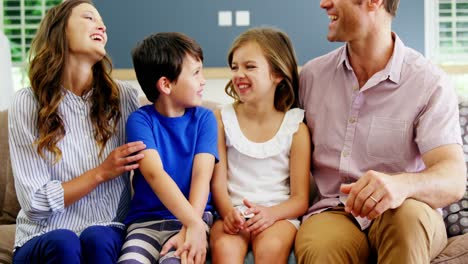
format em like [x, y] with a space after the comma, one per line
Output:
[38, 182]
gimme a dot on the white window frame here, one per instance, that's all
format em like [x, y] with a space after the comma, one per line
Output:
[22, 27]
[432, 48]
[19, 71]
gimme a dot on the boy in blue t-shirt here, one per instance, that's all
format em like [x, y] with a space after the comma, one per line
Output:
[170, 213]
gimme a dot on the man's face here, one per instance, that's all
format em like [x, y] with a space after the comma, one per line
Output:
[347, 19]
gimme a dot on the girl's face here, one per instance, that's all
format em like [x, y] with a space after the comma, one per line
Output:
[251, 74]
[86, 33]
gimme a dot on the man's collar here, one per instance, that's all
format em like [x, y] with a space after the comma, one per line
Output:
[394, 65]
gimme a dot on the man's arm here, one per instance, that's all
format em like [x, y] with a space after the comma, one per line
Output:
[441, 183]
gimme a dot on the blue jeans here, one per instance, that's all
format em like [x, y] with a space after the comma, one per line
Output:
[96, 244]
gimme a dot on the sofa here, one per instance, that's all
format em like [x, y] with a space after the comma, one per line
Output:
[456, 215]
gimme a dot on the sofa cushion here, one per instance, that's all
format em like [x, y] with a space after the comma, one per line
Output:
[11, 206]
[456, 251]
[456, 217]
[6, 243]
[456, 214]
[3, 155]
[8, 201]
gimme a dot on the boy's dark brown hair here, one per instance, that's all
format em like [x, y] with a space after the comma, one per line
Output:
[162, 54]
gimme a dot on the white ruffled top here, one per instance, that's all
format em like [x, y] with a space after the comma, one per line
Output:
[259, 172]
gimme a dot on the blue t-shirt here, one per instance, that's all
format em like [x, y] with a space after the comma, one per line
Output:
[177, 140]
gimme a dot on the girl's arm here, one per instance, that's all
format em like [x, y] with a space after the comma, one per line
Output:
[297, 204]
[219, 189]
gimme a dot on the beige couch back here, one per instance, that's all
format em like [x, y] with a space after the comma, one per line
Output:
[8, 202]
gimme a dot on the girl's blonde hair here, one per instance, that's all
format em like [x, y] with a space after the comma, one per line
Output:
[279, 53]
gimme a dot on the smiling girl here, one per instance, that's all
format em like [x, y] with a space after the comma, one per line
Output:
[261, 184]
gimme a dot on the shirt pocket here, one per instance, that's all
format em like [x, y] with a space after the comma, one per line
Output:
[386, 140]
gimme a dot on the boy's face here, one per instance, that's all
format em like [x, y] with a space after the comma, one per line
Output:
[187, 90]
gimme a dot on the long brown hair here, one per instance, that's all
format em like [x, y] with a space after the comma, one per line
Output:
[49, 52]
[279, 52]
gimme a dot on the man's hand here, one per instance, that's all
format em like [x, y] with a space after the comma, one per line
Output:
[374, 193]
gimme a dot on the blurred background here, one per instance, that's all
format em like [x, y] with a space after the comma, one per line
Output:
[436, 28]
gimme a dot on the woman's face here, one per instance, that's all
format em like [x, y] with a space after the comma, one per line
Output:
[86, 33]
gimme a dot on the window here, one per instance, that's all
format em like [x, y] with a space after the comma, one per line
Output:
[446, 30]
[20, 20]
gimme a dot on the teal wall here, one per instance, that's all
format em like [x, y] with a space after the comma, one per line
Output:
[306, 23]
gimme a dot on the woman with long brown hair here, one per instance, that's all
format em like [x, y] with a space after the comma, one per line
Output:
[66, 139]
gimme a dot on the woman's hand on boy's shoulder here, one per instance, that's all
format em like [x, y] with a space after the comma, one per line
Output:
[120, 160]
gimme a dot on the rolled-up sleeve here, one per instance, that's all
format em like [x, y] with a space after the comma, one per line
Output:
[38, 195]
[439, 122]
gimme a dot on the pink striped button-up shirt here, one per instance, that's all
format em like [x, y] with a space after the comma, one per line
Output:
[403, 111]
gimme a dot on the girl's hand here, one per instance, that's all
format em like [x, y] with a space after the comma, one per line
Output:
[120, 160]
[233, 222]
[262, 219]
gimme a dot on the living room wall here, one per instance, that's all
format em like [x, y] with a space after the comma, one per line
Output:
[306, 23]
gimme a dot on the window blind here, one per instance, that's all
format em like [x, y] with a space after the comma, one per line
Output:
[20, 20]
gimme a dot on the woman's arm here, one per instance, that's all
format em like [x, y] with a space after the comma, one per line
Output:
[38, 194]
[120, 160]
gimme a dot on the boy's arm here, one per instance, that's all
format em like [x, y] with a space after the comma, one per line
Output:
[206, 152]
[202, 170]
[199, 189]
[166, 189]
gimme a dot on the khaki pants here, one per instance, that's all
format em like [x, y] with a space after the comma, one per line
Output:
[412, 233]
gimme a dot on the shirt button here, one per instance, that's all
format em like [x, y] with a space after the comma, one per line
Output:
[356, 88]
[345, 153]
[352, 120]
